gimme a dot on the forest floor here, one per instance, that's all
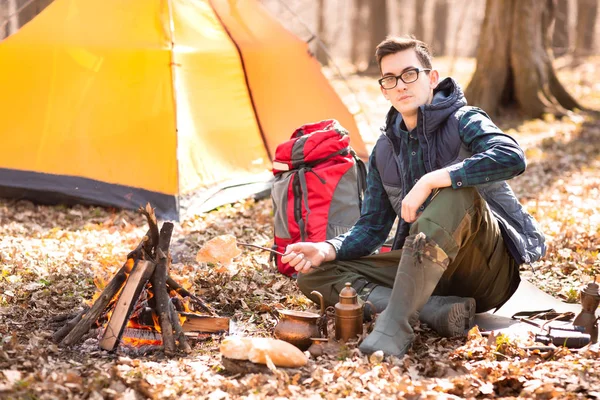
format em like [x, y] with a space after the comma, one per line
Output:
[52, 258]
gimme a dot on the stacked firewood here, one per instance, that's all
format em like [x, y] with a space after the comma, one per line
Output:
[146, 268]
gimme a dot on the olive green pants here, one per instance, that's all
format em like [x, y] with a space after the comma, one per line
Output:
[461, 223]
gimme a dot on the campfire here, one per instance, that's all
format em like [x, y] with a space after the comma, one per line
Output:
[142, 305]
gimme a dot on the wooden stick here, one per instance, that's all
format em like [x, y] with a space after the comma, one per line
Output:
[70, 324]
[261, 247]
[142, 271]
[153, 234]
[99, 305]
[179, 333]
[108, 293]
[138, 252]
[173, 285]
[204, 323]
[159, 285]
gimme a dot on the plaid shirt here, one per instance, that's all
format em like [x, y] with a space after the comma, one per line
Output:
[495, 157]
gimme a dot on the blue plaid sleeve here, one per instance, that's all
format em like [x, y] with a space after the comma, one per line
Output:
[496, 156]
[373, 226]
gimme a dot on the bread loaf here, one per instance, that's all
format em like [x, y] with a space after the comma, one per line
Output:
[282, 354]
[236, 347]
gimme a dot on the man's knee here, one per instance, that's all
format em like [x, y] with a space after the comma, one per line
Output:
[450, 216]
[454, 199]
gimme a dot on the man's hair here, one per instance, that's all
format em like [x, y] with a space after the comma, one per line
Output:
[395, 44]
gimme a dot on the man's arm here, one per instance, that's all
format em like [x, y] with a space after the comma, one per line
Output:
[496, 156]
[418, 194]
[369, 232]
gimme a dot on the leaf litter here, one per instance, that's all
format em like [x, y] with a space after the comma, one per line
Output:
[52, 258]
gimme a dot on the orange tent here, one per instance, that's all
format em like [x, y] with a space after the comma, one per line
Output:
[120, 103]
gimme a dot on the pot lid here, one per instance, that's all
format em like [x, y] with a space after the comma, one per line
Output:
[348, 292]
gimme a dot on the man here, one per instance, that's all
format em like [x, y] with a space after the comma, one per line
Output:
[441, 167]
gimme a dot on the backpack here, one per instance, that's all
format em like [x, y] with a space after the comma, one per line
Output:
[318, 188]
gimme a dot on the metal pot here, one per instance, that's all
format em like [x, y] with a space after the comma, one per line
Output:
[299, 327]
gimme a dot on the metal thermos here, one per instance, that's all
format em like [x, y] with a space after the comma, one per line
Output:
[348, 315]
[590, 298]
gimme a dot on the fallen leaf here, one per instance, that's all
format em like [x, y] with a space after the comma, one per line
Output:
[221, 249]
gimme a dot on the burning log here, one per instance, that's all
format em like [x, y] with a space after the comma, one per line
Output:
[84, 325]
[203, 323]
[159, 282]
[121, 302]
[66, 328]
[142, 271]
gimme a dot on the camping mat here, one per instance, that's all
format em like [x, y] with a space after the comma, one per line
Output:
[526, 298]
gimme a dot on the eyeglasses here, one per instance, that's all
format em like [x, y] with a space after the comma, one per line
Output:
[408, 76]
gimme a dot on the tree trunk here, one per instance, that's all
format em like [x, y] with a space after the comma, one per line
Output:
[13, 17]
[319, 51]
[586, 23]
[560, 37]
[378, 29]
[356, 45]
[3, 20]
[419, 28]
[514, 62]
[440, 27]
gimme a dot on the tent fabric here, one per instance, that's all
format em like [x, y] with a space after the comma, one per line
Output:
[121, 103]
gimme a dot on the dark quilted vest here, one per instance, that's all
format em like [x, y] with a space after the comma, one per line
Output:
[437, 131]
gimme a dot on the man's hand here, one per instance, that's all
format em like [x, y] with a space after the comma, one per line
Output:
[419, 193]
[304, 255]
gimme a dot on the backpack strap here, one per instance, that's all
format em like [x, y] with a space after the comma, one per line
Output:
[314, 163]
[361, 170]
[300, 190]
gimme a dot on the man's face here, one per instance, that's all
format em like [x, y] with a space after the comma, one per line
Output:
[407, 97]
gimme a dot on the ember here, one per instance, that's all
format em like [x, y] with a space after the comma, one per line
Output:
[142, 305]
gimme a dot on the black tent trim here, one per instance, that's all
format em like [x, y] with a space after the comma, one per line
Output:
[45, 188]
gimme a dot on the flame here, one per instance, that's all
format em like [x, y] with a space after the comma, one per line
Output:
[93, 299]
[135, 321]
[129, 265]
[135, 342]
[99, 282]
[156, 322]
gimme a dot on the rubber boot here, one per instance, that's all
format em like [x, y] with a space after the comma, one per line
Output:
[376, 301]
[449, 315]
[421, 266]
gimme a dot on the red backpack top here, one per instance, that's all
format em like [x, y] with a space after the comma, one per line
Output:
[318, 188]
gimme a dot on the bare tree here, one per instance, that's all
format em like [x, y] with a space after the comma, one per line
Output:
[419, 28]
[356, 23]
[16, 13]
[440, 26]
[378, 30]
[586, 22]
[13, 17]
[560, 38]
[319, 52]
[514, 61]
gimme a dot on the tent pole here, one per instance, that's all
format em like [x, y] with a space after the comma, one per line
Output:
[323, 47]
[260, 128]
